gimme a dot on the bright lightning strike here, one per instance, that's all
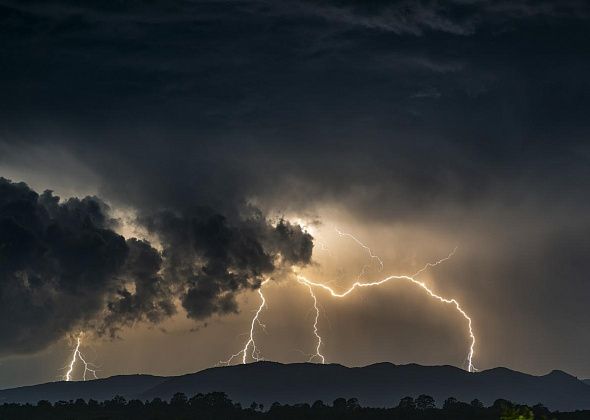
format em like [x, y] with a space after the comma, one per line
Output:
[412, 279]
[255, 354]
[317, 354]
[77, 354]
[250, 348]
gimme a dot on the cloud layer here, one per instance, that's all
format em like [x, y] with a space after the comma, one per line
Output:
[457, 122]
[63, 268]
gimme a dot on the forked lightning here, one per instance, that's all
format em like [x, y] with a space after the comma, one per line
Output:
[255, 354]
[358, 284]
[77, 354]
[317, 354]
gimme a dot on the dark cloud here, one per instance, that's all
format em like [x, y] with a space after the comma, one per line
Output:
[276, 102]
[59, 263]
[151, 299]
[234, 255]
[462, 117]
[64, 268]
[454, 17]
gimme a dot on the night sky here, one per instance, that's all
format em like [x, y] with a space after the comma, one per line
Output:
[161, 159]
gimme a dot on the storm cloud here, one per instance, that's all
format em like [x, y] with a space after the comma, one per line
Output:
[63, 268]
[462, 122]
[236, 256]
[59, 263]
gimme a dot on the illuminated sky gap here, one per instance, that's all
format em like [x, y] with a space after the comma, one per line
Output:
[428, 265]
[251, 343]
[373, 256]
[470, 366]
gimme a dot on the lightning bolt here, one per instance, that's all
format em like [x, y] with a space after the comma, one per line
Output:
[317, 354]
[373, 256]
[250, 348]
[434, 264]
[358, 284]
[255, 354]
[77, 354]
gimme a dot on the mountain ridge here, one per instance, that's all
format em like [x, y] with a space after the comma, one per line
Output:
[378, 385]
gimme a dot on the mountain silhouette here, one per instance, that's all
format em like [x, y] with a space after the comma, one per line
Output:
[98, 389]
[378, 385]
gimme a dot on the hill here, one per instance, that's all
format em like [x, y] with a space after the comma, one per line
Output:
[378, 385]
[98, 389]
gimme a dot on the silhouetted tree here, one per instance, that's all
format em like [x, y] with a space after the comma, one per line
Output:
[425, 402]
[318, 405]
[157, 403]
[135, 404]
[179, 400]
[449, 403]
[117, 401]
[407, 403]
[339, 404]
[217, 406]
[352, 404]
[44, 404]
[501, 404]
[476, 403]
[541, 411]
[218, 400]
[255, 406]
[198, 401]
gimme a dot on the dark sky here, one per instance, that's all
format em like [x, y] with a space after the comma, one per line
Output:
[230, 137]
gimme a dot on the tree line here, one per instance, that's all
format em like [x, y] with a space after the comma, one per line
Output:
[218, 406]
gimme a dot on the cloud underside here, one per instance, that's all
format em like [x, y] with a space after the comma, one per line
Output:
[63, 268]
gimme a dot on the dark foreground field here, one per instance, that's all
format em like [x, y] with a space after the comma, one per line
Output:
[217, 405]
